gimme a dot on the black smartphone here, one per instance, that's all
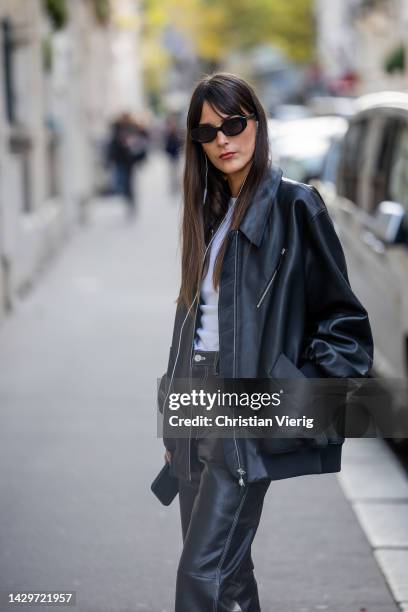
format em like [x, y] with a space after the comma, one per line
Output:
[165, 486]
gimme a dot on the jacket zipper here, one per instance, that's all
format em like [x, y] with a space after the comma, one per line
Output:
[191, 370]
[240, 471]
[190, 365]
[268, 286]
[191, 377]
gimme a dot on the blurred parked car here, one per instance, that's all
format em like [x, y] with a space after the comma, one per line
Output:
[326, 182]
[300, 146]
[332, 105]
[370, 208]
[289, 112]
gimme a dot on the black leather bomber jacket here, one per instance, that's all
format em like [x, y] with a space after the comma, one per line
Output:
[286, 309]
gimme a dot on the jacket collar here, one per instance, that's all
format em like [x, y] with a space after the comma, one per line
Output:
[254, 222]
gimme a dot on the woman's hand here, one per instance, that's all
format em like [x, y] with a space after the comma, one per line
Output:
[167, 456]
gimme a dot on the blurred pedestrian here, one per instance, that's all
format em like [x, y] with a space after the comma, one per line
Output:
[172, 147]
[264, 294]
[127, 147]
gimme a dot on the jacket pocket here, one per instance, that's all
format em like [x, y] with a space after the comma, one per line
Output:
[285, 368]
[269, 284]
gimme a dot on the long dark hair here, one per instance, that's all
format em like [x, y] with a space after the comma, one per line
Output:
[229, 94]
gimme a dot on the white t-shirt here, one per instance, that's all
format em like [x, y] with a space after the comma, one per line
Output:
[206, 338]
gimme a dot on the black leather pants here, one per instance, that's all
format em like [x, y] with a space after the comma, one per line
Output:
[219, 520]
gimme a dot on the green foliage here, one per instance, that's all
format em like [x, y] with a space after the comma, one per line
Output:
[395, 61]
[47, 54]
[57, 12]
[216, 28]
[289, 25]
[102, 10]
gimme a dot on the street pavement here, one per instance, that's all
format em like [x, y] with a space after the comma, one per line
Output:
[79, 360]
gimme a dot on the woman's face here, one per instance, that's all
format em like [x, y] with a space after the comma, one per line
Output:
[242, 146]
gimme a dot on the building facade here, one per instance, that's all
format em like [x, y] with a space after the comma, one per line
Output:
[59, 88]
[354, 40]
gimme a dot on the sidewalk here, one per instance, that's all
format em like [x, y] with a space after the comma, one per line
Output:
[325, 561]
[78, 449]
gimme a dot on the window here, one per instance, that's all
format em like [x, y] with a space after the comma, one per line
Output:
[383, 135]
[398, 180]
[352, 157]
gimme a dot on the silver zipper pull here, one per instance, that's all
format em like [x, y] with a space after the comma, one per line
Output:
[272, 279]
[241, 472]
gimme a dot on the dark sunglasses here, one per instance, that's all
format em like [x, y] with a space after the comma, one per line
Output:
[230, 127]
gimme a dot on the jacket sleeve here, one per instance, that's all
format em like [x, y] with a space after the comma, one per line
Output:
[339, 341]
[162, 391]
[163, 399]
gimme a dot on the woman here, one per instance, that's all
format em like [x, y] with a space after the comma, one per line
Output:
[264, 294]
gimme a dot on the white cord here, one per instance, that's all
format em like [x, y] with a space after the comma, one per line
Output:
[206, 175]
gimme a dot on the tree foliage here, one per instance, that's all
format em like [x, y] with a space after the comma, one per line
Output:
[57, 11]
[102, 10]
[395, 61]
[217, 27]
